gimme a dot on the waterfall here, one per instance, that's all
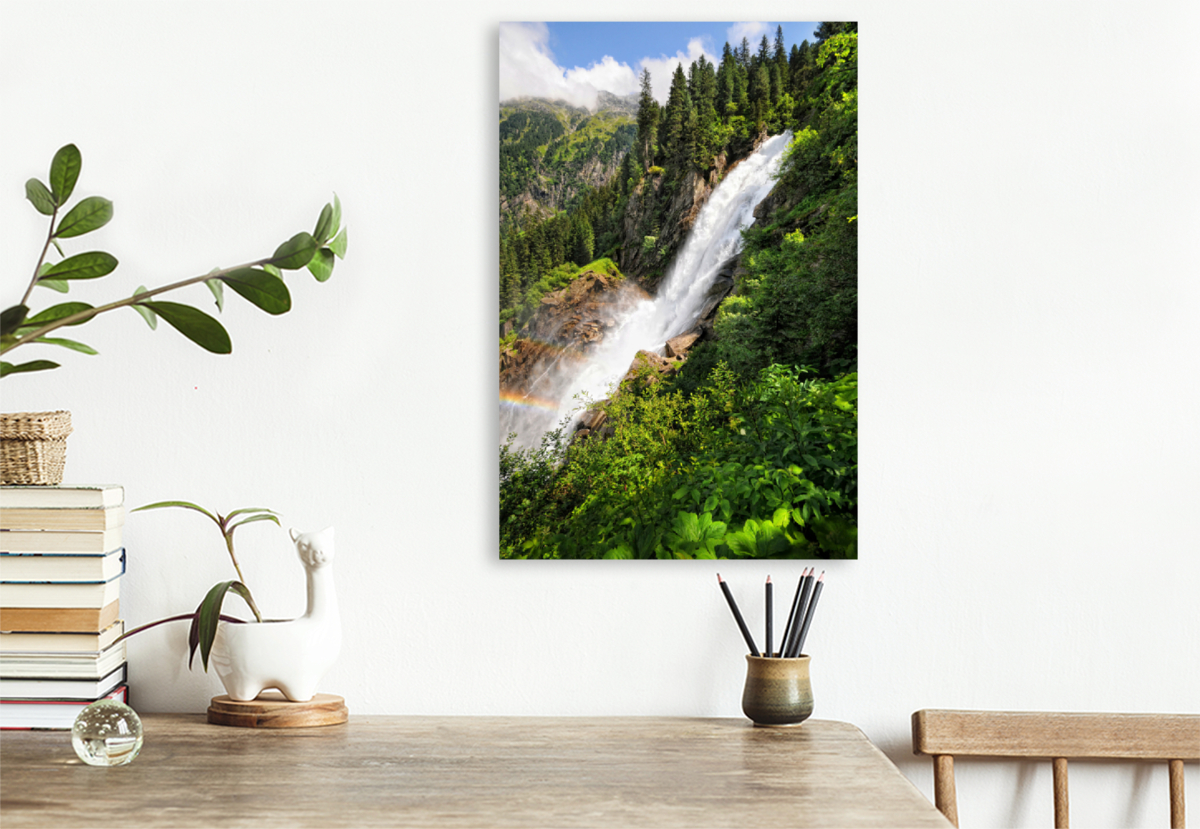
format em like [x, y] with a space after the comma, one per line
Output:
[715, 238]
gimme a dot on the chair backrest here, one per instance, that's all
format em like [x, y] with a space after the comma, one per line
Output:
[944, 735]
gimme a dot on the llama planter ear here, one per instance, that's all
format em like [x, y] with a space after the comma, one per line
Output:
[291, 656]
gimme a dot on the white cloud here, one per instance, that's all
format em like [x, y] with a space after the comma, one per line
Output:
[753, 32]
[663, 67]
[527, 67]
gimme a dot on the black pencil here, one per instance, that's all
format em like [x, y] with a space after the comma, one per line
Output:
[737, 615]
[808, 616]
[791, 622]
[770, 613]
[789, 647]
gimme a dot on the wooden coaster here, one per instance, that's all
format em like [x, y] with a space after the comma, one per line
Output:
[271, 709]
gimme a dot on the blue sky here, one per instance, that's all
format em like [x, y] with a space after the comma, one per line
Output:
[576, 60]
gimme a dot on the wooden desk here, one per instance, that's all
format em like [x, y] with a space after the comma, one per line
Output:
[466, 771]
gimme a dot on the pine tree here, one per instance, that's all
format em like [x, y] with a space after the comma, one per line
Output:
[647, 122]
[584, 243]
[764, 52]
[743, 55]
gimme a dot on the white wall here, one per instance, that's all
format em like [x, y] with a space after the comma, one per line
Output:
[1029, 344]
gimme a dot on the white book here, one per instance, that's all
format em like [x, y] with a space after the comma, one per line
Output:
[86, 519]
[51, 714]
[60, 595]
[60, 567]
[99, 496]
[63, 666]
[48, 644]
[61, 688]
[59, 541]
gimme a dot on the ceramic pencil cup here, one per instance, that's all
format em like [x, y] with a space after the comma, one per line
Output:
[778, 691]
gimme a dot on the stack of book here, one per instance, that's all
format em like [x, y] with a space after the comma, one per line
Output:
[61, 562]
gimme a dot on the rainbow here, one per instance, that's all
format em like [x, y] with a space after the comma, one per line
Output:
[516, 400]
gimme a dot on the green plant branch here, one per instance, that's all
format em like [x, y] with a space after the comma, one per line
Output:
[83, 316]
[37, 269]
[178, 618]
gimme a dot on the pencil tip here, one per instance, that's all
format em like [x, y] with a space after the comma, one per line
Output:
[768, 579]
[719, 577]
[822, 576]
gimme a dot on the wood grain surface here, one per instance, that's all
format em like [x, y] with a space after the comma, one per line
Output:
[271, 709]
[1050, 735]
[466, 771]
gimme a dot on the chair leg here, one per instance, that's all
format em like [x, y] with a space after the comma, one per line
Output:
[943, 787]
[1178, 821]
[1062, 809]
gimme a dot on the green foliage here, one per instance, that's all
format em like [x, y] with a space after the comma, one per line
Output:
[764, 469]
[206, 616]
[260, 282]
[750, 449]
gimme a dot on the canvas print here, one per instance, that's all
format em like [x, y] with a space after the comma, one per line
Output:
[678, 290]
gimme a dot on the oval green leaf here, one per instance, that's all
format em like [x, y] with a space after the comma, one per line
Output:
[39, 195]
[12, 318]
[295, 252]
[338, 245]
[65, 343]
[36, 365]
[89, 265]
[325, 227]
[57, 312]
[91, 213]
[149, 316]
[337, 214]
[321, 265]
[60, 285]
[261, 288]
[194, 324]
[64, 172]
[218, 292]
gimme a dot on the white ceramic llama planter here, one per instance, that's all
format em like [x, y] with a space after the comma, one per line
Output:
[291, 655]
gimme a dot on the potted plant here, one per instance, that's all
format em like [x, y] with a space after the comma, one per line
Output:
[33, 444]
[249, 657]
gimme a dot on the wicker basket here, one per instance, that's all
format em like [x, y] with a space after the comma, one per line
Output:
[33, 447]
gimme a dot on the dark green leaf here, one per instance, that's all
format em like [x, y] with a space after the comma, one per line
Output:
[11, 319]
[91, 213]
[60, 285]
[57, 312]
[83, 266]
[338, 245]
[218, 291]
[64, 172]
[149, 316]
[65, 343]
[208, 614]
[295, 252]
[325, 227]
[36, 365]
[39, 195]
[194, 324]
[321, 264]
[261, 288]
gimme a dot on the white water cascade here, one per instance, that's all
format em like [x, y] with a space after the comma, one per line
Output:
[715, 238]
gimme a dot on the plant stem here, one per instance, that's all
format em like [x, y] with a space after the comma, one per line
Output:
[133, 300]
[178, 618]
[37, 269]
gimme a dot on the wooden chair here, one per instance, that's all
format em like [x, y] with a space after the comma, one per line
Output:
[945, 735]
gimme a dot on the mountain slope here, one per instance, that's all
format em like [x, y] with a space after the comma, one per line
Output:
[551, 152]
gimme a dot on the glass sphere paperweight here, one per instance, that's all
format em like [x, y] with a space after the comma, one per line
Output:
[107, 733]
